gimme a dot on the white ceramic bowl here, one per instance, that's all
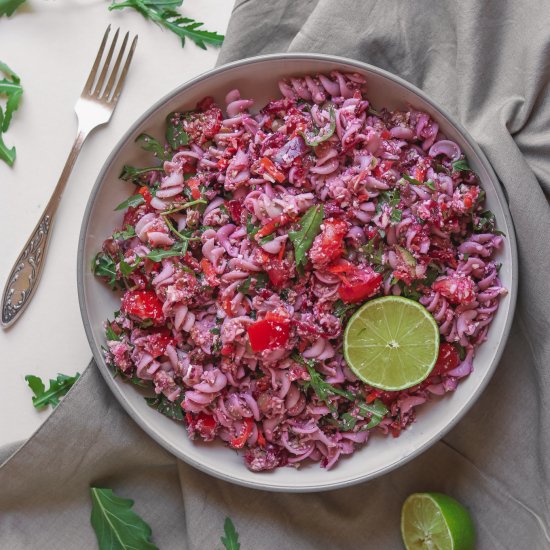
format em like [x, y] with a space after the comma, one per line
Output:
[257, 78]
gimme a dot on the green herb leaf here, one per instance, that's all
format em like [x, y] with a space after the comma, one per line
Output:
[266, 239]
[251, 229]
[149, 143]
[231, 539]
[134, 200]
[161, 12]
[430, 184]
[110, 334]
[460, 165]
[116, 525]
[125, 234]
[104, 266]
[7, 7]
[58, 388]
[176, 136]
[171, 409]
[302, 239]
[257, 282]
[396, 215]
[486, 223]
[133, 174]
[126, 269]
[377, 411]
[461, 351]
[179, 249]
[11, 88]
[339, 309]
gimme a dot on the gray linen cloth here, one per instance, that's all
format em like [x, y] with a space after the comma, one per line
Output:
[488, 63]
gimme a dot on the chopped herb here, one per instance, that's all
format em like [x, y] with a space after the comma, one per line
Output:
[162, 13]
[179, 249]
[256, 281]
[339, 309]
[110, 334]
[460, 165]
[374, 112]
[377, 409]
[171, 409]
[396, 215]
[374, 256]
[215, 330]
[430, 184]
[466, 256]
[58, 388]
[176, 136]
[126, 269]
[284, 294]
[439, 168]
[486, 223]
[251, 229]
[184, 206]
[104, 266]
[310, 225]
[461, 351]
[134, 200]
[130, 173]
[7, 7]
[125, 234]
[266, 239]
[149, 143]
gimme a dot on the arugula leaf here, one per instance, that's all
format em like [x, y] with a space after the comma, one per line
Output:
[486, 223]
[461, 351]
[58, 388]
[396, 215]
[310, 225]
[171, 409]
[460, 165]
[231, 539]
[110, 334]
[340, 308]
[116, 525]
[266, 239]
[430, 184]
[104, 266]
[131, 173]
[134, 200]
[125, 234]
[259, 281]
[7, 7]
[175, 134]
[251, 229]
[161, 12]
[149, 143]
[126, 269]
[158, 254]
[376, 409]
[10, 87]
[320, 134]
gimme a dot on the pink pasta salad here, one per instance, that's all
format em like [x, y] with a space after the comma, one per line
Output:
[252, 238]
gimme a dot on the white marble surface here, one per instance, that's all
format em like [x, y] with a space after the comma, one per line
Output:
[51, 44]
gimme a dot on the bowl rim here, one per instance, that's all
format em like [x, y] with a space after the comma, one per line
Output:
[143, 423]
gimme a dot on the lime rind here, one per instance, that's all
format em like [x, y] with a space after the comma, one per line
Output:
[391, 343]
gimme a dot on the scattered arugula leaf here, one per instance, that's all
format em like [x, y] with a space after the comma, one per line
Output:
[127, 269]
[10, 87]
[176, 136]
[377, 409]
[310, 225]
[7, 7]
[430, 184]
[125, 234]
[149, 143]
[374, 255]
[460, 165]
[339, 308]
[396, 215]
[104, 266]
[257, 282]
[134, 200]
[251, 229]
[116, 525]
[486, 223]
[439, 168]
[231, 539]
[266, 239]
[171, 409]
[162, 13]
[110, 334]
[133, 174]
[178, 249]
[461, 351]
[58, 388]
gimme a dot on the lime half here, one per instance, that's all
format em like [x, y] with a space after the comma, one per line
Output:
[434, 521]
[391, 343]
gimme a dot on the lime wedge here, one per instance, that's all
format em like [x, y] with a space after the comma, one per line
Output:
[391, 343]
[434, 521]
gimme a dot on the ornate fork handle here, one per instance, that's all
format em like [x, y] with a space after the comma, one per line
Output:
[25, 274]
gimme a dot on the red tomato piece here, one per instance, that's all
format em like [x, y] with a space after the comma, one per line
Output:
[143, 304]
[458, 289]
[268, 334]
[235, 209]
[240, 440]
[203, 126]
[146, 194]
[272, 225]
[193, 184]
[359, 284]
[382, 167]
[272, 170]
[329, 244]
[448, 359]
[206, 425]
[276, 269]
[209, 272]
[158, 342]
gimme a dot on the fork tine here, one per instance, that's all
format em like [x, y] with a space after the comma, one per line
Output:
[122, 78]
[93, 72]
[106, 63]
[114, 72]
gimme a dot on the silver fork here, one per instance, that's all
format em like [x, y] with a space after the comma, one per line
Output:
[93, 108]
